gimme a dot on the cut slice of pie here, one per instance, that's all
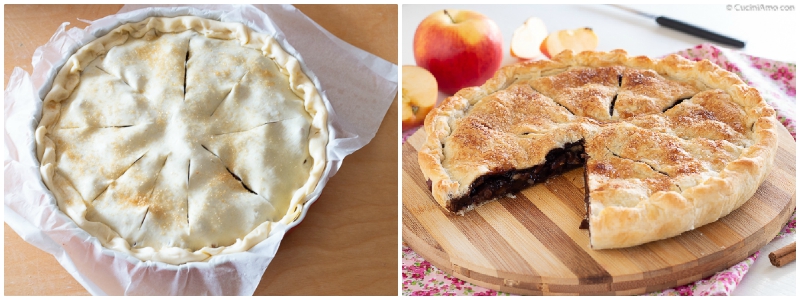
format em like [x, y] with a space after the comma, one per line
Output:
[666, 145]
[176, 139]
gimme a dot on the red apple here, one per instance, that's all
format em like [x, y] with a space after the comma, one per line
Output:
[461, 48]
[420, 93]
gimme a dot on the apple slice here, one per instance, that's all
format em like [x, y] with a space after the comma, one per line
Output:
[420, 92]
[581, 39]
[527, 38]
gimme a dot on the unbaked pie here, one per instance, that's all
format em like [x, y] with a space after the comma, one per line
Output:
[175, 139]
[667, 145]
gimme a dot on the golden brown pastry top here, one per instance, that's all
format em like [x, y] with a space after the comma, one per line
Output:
[656, 132]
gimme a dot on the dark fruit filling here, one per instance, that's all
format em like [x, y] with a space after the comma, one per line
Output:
[585, 222]
[492, 186]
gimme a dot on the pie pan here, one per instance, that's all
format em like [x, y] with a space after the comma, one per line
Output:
[210, 277]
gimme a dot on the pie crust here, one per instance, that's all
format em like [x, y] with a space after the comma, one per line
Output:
[669, 144]
[176, 139]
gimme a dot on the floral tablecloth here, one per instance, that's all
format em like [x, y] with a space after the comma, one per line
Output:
[776, 82]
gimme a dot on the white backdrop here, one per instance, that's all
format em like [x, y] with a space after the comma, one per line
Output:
[770, 35]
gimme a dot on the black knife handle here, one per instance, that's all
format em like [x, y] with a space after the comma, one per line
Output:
[699, 32]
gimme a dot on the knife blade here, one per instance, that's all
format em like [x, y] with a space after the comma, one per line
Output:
[687, 28]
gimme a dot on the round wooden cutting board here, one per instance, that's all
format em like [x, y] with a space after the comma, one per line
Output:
[531, 244]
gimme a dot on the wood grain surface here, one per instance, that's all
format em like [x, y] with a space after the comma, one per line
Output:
[531, 244]
[346, 245]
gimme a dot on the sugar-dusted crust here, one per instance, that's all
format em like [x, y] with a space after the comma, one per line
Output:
[176, 139]
[680, 145]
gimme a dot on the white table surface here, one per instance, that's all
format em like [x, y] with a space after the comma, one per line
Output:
[770, 35]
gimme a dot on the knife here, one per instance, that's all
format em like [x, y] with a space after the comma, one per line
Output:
[686, 28]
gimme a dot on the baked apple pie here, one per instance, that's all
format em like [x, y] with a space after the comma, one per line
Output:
[667, 145]
[175, 139]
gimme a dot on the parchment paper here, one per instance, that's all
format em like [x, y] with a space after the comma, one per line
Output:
[357, 88]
